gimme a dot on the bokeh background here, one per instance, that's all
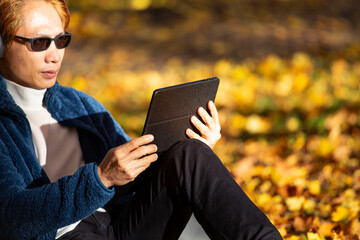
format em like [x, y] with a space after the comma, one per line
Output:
[289, 96]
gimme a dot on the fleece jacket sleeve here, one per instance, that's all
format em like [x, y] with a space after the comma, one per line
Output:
[41, 210]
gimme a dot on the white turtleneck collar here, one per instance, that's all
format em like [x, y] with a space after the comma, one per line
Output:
[27, 98]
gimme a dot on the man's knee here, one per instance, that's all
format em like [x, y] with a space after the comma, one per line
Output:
[189, 153]
[190, 145]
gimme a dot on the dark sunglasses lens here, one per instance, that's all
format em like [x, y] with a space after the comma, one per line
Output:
[40, 44]
[63, 41]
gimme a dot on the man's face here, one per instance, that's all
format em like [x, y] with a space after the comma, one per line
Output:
[20, 64]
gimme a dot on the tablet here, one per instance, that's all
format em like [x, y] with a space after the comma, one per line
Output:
[170, 110]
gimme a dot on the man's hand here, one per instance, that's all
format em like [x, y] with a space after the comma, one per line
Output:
[210, 131]
[124, 163]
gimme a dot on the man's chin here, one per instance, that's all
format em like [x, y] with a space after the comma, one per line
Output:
[45, 83]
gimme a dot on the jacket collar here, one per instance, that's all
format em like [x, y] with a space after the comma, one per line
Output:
[7, 102]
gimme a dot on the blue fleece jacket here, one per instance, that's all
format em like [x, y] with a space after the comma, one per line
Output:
[30, 206]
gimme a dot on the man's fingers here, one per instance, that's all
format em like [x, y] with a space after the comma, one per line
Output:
[143, 151]
[206, 117]
[137, 142]
[135, 148]
[209, 128]
[214, 113]
[203, 129]
[147, 160]
[191, 134]
[137, 166]
[125, 162]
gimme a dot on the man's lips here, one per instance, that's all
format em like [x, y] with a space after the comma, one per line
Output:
[49, 73]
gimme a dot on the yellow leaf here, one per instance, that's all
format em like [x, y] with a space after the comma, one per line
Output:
[301, 81]
[326, 228]
[238, 121]
[299, 224]
[325, 210]
[341, 213]
[292, 124]
[293, 238]
[265, 186]
[283, 232]
[284, 85]
[355, 227]
[309, 206]
[295, 203]
[337, 236]
[256, 124]
[325, 147]
[252, 184]
[140, 4]
[244, 95]
[315, 187]
[264, 199]
[300, 142]
[313, 236]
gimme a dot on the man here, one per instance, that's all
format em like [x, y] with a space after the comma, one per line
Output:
[69, 171]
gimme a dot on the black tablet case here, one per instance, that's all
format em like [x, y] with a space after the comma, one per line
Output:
[170, 110]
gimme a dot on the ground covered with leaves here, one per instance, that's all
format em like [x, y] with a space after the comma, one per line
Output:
[289, 96]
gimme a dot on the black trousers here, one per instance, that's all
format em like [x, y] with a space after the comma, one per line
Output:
[188, 178]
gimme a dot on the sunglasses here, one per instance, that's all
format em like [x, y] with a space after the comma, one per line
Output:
[42, 43]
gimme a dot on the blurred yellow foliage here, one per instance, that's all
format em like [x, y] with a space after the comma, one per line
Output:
[140, 4]
[287, 140]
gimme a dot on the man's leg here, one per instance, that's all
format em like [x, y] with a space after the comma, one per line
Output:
[190, 177]
[95, 227]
